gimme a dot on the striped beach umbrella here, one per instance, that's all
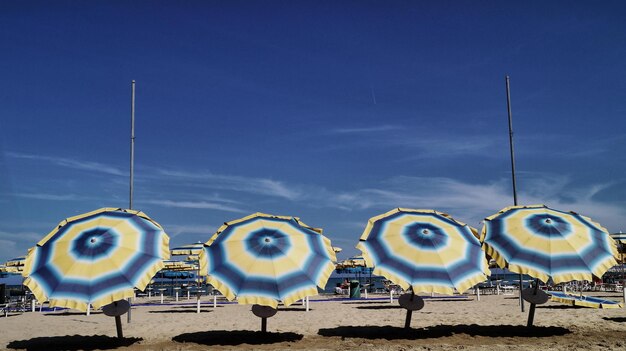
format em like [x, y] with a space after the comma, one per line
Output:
[96, 258]
[546, 243]
[263, 259]
[425, 250]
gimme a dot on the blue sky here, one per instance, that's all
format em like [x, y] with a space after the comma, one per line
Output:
[330, 111]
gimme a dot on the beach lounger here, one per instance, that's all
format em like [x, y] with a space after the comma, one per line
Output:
[583, 300]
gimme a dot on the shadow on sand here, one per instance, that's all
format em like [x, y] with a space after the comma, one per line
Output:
[181, 311]
[72, 342]
[615, 319]
[293, 309]
[393, 333]
[71, 313]
[361, 302]
[560, 307]
[380, 307]
[236, 337]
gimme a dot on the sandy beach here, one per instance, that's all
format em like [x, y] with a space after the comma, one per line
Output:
[495, 322]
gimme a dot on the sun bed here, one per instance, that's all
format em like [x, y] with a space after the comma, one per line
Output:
[583, 300]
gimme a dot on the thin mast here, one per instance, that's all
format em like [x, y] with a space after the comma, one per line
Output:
[508, 106]
[132, 159]
[132, 142]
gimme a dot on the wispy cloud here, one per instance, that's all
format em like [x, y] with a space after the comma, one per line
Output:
[13, 244]
[71, 163]
[205, 231]
[359, 130]
[8, 249]
[473, 202]
[194, 204]
[423, 192]
[450, 146]
[421, 143]
[51, 197]
[260, 186]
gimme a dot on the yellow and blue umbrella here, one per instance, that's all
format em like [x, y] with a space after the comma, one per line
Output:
[425, 250]
[96, 258]
[546, 243]
[263, 259]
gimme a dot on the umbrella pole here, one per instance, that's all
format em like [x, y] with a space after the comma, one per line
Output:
[264, 324]
[118, 326]
[623, 279]
[531, 311]
[409, 313]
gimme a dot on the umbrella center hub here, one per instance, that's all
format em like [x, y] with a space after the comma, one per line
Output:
[425, 236]
[267, 243]
[93, 244]
[548, 226]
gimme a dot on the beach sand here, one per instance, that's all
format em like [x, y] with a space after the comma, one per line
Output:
[494, 323]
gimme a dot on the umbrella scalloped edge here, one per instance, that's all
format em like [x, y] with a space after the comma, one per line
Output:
[287, 300]
[36, 289]
[440, 289]
[599, 270]
[40, 295]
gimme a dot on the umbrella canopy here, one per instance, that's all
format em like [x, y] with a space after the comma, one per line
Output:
[96, 258]
[424, 249]
[546, 243]
[262, 259]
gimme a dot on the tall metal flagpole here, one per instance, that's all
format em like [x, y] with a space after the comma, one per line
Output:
[132, 142]
[132, 156]
[508, 106]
